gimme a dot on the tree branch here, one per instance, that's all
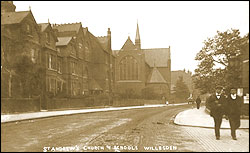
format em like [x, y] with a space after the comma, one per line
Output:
[220, 62]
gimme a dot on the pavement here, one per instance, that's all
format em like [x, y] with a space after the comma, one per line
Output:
[199, 125]
[201, 118]
[43, 114]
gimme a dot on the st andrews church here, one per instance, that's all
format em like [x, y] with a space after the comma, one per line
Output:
[138, 70]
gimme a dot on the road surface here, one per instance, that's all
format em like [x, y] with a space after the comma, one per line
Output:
[146, 129]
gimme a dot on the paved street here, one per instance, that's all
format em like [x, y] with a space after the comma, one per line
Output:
[147, 129]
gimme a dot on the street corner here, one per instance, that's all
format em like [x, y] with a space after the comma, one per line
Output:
[194, 117]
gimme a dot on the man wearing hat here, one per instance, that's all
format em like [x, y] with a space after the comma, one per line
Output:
[216, 103]
[233, 106]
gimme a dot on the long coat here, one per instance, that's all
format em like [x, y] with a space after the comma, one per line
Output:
[198, 100]
[233, 106]
[217, 106]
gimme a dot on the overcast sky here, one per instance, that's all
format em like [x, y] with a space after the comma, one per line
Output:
[182, 25]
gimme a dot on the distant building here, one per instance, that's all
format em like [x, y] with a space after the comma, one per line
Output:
[187, 78]
[137, 69]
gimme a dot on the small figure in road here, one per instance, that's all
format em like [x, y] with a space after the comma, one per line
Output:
[233, 107]
[190, 100]
[198, 102]
[216, 103]
[165, 100]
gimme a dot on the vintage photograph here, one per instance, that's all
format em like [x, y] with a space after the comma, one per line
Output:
[124, 76]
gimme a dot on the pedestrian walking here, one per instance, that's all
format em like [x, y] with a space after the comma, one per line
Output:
[198, 102]
[233, 108]
[216, 103]
[163, 99]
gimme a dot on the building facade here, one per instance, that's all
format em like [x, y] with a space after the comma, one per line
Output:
[86, 66]
[20, 37]
[75, 62]
[70, 46]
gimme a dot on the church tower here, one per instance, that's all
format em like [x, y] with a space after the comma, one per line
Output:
[137, 38]
[7, 6]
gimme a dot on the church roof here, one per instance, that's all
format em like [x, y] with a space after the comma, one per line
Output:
[157, 56]
[63, 41]
[128, 45]
[93, 85]
[13, 17]
[155, 77]
[68, 27]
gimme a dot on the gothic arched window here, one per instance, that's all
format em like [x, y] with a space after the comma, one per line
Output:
[128, 68]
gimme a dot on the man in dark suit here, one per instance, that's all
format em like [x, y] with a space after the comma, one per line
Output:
[198, 102]
[216, 103]
[233, 107]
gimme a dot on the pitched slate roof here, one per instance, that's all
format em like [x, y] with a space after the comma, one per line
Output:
[43, 26]
[157, 56]
[95, 42]
[93, 85]
[63, 41]
[68, 27]
[155, 77]
[128, 45]
[13, 17]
